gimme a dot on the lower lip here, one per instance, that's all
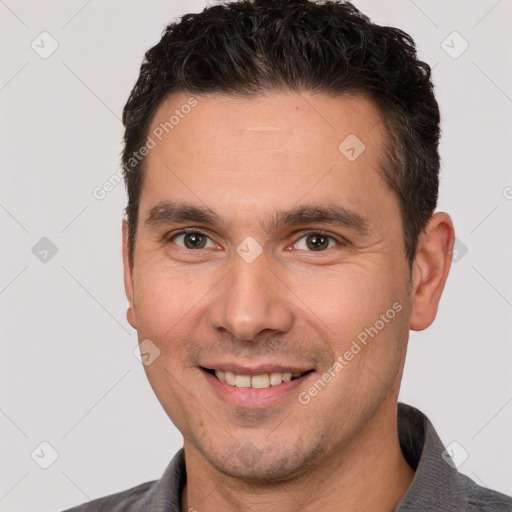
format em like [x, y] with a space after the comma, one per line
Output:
[252, 397]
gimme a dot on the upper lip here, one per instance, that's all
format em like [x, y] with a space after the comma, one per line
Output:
[259, 369]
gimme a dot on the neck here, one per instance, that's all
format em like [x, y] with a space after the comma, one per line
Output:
[368, 474]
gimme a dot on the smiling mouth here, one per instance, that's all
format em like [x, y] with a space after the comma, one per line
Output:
[262, 381]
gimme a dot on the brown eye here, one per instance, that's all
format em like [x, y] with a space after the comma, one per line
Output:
[315, 242]
[192, 240]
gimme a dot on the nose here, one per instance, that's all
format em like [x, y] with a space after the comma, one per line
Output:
[250, 300]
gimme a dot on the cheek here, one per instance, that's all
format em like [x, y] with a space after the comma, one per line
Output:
[164, 300]
[346, 300]
[362, 311]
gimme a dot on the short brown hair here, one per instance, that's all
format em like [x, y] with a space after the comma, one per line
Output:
[253, 46]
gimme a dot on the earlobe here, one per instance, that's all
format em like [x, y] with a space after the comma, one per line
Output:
[430, 269]
[128, 277]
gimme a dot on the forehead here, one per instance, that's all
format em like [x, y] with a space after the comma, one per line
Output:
[226, 125]
[252, 154]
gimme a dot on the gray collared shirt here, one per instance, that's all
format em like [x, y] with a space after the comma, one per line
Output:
[437, 486]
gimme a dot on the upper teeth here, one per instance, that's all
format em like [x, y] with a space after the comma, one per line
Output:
[256, 381]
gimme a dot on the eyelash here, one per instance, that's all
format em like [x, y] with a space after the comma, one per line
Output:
[339, 241]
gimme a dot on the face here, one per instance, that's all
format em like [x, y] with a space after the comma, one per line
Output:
[264, 249]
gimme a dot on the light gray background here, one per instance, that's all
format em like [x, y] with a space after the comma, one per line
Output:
[68, 373]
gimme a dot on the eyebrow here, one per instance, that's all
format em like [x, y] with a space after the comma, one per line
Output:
[171, 212]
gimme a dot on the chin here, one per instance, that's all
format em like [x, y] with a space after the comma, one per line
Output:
[266, 465]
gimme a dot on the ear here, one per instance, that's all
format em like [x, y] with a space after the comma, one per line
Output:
[128, 277]
[430, 269]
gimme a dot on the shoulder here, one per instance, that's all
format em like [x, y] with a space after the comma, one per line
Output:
[455, 494]
[482, 499]
[438, 484]
[119, 502]
[157, 495]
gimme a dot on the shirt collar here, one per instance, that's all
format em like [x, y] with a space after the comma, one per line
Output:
[437, 485]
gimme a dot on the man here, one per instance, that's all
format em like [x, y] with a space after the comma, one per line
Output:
[281, 160]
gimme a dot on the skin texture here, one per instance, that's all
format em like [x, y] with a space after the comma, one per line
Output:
[248, 159]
